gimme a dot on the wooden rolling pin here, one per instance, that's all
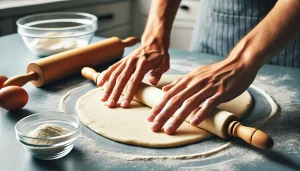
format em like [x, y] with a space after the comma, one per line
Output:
[221, 123]
[61, 65]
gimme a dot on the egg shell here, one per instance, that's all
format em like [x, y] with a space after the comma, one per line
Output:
[13, 98]
[2, 80]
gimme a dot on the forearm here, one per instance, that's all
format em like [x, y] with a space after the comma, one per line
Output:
[160, 20]
[270, 36]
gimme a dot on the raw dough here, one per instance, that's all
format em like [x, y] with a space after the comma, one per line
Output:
[131, 127]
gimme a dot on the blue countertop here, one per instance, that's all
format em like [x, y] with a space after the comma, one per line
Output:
[92, 153]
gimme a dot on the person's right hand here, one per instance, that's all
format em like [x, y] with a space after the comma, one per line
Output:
[131, 70]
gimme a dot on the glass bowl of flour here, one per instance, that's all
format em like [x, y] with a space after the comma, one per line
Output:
[50, 33]
[49, 135]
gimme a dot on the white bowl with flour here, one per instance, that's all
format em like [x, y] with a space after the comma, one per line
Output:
[49, 135]
[50, 33]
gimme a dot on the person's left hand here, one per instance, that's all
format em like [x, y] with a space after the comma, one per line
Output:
[211, 84]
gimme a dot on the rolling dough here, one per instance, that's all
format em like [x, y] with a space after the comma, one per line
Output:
[130, 126]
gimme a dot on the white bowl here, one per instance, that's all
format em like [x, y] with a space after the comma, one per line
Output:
[48, 148]
[50, 33]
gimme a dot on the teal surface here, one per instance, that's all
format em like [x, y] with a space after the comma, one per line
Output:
[93, 152]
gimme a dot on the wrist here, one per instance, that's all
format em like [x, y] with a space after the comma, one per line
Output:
[245, 53]
[156, 41]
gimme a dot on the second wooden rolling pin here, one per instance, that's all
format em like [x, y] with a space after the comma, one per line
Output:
[61, 65]
[221, 123]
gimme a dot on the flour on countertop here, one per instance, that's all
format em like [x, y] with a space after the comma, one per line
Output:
[283, 94]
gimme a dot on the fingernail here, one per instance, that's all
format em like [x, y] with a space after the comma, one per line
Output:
[110, 103]
[155, 126]
[124, 103]
[194, 121]
[150, 117]
[100, 83]
[105, 96]
[169, 129]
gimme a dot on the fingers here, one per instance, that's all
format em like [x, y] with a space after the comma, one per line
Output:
[111, 84]
[133, 84]
[156, 110]
[171, 107]
[168, 87]
[156, 74]
[179, 117]
[208, 106]
[119, 86]
[183, 112]
[104, 76]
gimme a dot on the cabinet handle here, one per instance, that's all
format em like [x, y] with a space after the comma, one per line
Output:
[184, 7]
[105, 17]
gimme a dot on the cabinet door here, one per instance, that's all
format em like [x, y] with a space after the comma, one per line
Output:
[6, 26]
[109, 15]
[181, 38]
[187, 10]
[121, 32]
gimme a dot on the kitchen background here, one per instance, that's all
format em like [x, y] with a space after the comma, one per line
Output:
[120, 18]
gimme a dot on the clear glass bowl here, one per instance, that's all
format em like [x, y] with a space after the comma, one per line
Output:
[48, 148]
[50, 33]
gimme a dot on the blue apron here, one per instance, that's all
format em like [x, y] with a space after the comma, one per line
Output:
[222, 23]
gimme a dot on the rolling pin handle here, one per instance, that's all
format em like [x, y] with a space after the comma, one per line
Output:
[90, 74]
[130, 41]
[21, 80]
[252, 136]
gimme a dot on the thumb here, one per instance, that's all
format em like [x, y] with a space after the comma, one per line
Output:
[155, 76]
[156, 73]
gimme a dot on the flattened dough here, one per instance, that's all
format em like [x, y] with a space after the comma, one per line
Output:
[130, 126]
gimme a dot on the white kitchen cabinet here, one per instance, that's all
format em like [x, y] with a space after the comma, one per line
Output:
[182, 27]
[120, 31]
[114, 17]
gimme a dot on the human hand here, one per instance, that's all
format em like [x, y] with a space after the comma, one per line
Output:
[211, 84]
[131, 70]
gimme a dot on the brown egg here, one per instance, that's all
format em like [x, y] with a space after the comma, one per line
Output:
[13, 98]
[2, 80]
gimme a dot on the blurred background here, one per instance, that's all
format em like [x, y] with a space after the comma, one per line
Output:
[121, 18]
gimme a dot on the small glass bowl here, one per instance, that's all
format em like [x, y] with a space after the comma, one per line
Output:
[50, 33]
[48, 148]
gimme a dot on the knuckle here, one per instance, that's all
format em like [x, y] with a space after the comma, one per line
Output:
[133, 79]
[189, 103]
[175, 121]
[114, 75]
[132, 60]
[176, 100]
[167, 96]
[111, 68]
[211, 101]
[159, 118]
[113, 95]
[108, 69]
[121, 78]
[142, 62]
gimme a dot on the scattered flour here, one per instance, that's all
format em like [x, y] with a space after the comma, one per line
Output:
[288, 101]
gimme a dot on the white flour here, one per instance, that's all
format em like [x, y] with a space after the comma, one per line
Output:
[47, 131]
[49, 46]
